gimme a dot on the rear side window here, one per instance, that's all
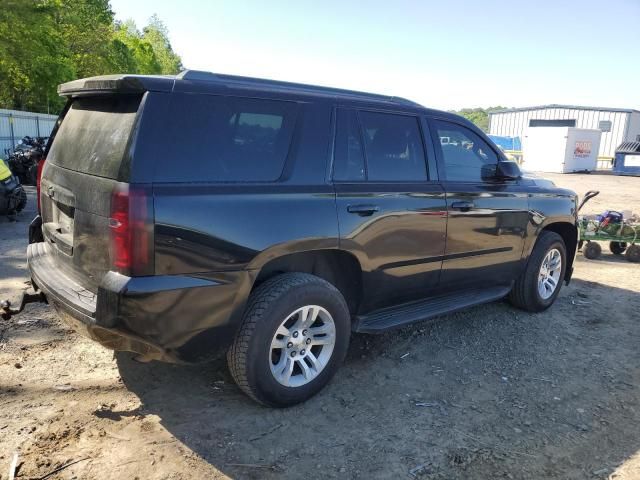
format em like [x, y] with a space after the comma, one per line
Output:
[466, 157]
[94, 134]
[393, 147]
[391, 144]
[226, 139]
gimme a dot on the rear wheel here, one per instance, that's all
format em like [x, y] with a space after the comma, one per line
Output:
[16, 201]
[592, 251]
[617, 248]
[21, 199]
[294, 336]
[538, 286]
[633, 253]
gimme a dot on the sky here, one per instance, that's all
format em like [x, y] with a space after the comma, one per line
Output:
[445, 54]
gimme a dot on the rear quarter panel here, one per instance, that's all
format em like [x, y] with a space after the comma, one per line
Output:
[210, 228]
[205, 227]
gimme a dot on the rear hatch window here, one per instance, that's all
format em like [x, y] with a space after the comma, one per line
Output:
[94, 135]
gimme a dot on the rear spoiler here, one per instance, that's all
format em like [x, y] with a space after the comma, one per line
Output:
[106, 84]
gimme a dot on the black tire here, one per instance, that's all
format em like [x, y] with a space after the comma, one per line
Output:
[617, 248]
[592, 251]
[22, 200]
[524, 293]
[633, 253]
[32, 174]
[268, 306]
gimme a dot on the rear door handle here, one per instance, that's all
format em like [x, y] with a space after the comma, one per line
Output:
[363, 210]
[463, 206]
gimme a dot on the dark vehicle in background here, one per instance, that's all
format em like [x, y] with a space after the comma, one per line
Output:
[26, 157]
[189, 216]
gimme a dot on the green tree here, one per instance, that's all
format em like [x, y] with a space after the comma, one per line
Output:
[479, 116]
[157, 34]
[87, 29]
[47, 42]
[33, 56]
[143, 55]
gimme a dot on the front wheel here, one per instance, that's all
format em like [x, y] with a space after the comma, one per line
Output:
[294, 336]
[539, 285]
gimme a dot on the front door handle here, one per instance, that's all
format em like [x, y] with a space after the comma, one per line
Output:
[463, 206]
[363, 210]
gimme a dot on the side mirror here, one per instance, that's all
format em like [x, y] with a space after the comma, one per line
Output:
[508, 171]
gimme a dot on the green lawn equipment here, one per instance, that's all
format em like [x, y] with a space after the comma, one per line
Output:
[623, 236]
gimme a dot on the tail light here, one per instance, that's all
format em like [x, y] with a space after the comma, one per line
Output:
[131, 226]
[38, 178]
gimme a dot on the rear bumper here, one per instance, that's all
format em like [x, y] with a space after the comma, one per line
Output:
[169, 318]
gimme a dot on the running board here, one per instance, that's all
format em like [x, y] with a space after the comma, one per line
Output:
[380, 321]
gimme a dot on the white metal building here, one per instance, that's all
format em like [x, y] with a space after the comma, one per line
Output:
[15, 124]
[616, 124]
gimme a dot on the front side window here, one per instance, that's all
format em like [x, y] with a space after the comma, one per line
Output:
[466, 156]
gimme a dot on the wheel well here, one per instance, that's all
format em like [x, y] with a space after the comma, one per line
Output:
[337, 267]
[569, 234]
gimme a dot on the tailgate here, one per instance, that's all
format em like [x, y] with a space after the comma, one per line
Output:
[90, 155]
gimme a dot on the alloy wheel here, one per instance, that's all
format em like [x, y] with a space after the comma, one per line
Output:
[302, 346]
[549, 275]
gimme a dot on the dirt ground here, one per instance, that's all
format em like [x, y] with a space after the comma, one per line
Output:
[491, 392]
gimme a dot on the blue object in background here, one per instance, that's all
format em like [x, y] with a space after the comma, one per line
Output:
[507, 143]
[627, 160]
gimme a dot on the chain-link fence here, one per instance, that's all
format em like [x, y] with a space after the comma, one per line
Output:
[15, 124]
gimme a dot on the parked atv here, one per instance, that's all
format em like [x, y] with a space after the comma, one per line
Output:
[23, 162]
[13, 198]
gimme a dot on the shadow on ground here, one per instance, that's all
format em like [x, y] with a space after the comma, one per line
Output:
[13, 236]
[489, 392]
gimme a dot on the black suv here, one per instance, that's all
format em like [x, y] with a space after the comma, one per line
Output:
[188, 216]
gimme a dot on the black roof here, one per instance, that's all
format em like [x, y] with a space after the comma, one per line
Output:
[195, 81]
[139, 83]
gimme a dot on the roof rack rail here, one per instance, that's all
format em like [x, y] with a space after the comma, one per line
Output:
[202, 76]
